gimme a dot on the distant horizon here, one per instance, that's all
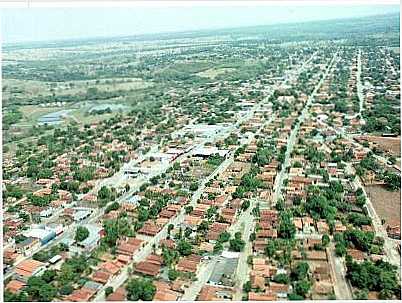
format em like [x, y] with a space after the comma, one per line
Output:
[51, 21]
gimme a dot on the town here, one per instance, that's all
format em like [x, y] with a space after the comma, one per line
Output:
[252, 165]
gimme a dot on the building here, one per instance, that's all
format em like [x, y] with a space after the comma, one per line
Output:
[44, 235]
[92, 241]
[224, 271]
[28, 247]
[29, 268]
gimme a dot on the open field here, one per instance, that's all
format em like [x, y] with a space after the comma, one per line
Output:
[392, 145]
[212, 73]
[386, 203]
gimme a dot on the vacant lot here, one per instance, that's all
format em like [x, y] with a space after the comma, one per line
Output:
[386, 203]
[391, 145]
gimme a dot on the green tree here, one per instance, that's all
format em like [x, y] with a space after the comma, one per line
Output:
[81, 233]
[287, 228]
[140, 289]
[281, 278]
[270, 249]
[237, 244]
[302, 287]
[108, 291]
[325, 240]
[224, 237]
[173, 274]
[247, 287]
[184, 248]
[300, 271]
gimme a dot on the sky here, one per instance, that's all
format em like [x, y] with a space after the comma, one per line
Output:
[44, 24]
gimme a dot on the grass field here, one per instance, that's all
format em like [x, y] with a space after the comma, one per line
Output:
[28, 89]
[212, 73]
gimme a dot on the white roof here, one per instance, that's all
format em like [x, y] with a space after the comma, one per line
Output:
[38, 233]
[55, 259]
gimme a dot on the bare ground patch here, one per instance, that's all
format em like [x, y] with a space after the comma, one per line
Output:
[391, 145]
[387, 204]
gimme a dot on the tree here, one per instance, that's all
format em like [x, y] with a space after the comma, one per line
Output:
[193, 186]
[247, 287]
[302, 287]
[237, 244]
[39, 290]
[108, 291]
[224, 237]
[169, 256]
[113, 206]
[66, 289]
[170, 228]
[340, 249]
[361, 295]
[287, 228]
[270, 249]
[173, 274]
[300, 271]
[245, 205]
[295, 297]
[392, 180]
[218, 247]
[18, 297]
[184, 248]
[81, 233]
[49, 275]
[378, 276]
[281, 278]
[188, 209]
[140, 289]
[385, 294]
[325, 240]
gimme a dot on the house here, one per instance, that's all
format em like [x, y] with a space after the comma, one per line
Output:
[214, 293]
[29, 268]
[189, 263]
[10, 256]
[112, 268]
[323, 288]
[118, 295]
[280, 290]
[150, 229]
[147, 268]
[43, 235]
[257, 281]
[261, 296]
[101, 277]
[356, 254]
[28, 246]
[83, 294]
[15, 286]
[129, 246]
[164, 292]
[207, 247]
[168, 243]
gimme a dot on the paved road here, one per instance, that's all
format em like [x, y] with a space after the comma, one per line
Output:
[359, 87]
[293, 135]
[341, 286]
[242, 271]
[359, 82]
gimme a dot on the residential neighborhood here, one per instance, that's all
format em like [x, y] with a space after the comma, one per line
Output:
[247, 165]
